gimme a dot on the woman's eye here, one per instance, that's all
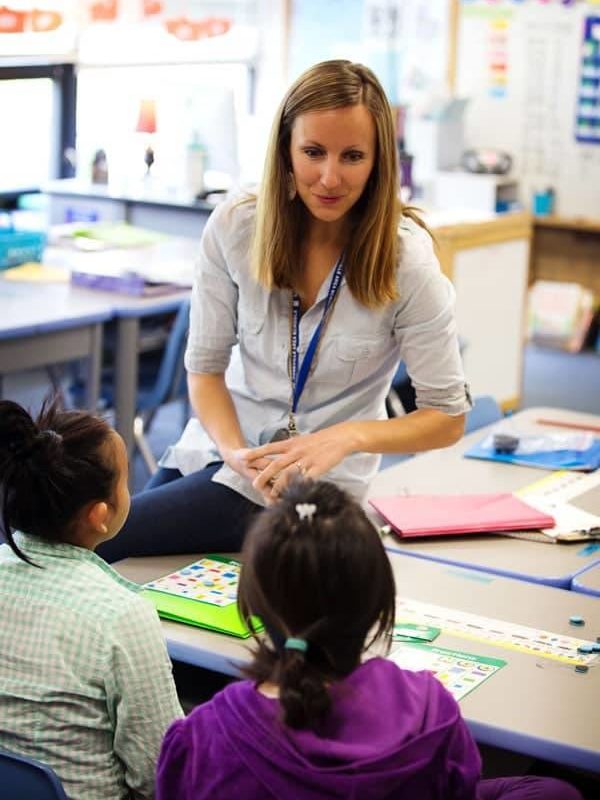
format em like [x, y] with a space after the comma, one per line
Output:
[312, 152]
[354, 155]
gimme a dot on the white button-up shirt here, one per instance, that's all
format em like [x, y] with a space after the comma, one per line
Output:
[240, 328]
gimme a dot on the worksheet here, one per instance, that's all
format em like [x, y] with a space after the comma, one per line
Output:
[459, 672]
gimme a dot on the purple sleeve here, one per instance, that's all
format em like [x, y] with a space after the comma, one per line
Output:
[171, 778]
[462, 760]
[463, 764]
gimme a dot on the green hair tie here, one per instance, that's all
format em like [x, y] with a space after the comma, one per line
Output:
[296, 644]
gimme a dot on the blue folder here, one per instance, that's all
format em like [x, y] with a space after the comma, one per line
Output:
[582, 460]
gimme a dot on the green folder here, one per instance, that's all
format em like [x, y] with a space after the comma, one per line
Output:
[165, 594]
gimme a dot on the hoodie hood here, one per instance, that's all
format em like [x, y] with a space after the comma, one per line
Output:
[390, 733]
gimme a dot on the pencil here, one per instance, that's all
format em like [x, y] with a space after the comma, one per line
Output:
[578, 426]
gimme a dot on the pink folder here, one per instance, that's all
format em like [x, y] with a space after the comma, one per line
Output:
[441, 515]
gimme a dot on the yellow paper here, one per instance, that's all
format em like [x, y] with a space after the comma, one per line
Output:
[33, 271]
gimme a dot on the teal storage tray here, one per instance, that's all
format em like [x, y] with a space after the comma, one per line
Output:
[18, 247]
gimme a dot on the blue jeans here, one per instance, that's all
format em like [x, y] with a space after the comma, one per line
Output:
[177, 514]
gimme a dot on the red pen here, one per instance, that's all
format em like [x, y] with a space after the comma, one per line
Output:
[577, 426]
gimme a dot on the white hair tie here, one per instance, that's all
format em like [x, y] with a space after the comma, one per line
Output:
[305, 510]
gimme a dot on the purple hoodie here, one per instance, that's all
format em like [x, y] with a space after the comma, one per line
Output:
[390, 734]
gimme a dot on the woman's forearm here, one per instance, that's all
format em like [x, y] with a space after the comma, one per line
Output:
[212, 403]
[423, 429]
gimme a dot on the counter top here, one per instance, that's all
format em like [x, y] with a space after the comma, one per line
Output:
[142, 192]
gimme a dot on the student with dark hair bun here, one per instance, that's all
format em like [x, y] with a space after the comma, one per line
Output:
[315, 721]
[86, 684]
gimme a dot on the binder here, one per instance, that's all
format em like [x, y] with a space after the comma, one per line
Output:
[445, 515]
[204, 594]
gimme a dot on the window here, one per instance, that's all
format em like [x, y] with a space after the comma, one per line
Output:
[38, 124]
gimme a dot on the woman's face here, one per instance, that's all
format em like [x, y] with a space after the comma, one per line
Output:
[332, 154]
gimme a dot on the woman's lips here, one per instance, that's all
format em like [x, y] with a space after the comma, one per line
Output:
[328, 200]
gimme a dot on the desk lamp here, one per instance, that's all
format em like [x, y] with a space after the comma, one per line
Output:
[147, 124]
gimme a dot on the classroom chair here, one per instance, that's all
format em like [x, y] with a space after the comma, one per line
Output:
[159, 382]
[485, 411]
[23, 778]
[170, 384]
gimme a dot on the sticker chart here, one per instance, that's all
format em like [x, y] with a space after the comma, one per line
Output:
[458, 672]
[209, 580]
[537, 642]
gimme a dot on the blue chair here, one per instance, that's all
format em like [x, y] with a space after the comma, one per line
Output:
[159, 382]
[485, 411]
[169, 384]
[23, 778]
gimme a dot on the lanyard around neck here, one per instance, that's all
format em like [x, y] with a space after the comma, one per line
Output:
[299, 372]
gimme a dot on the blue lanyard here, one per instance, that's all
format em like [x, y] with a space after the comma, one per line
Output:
[300, 372]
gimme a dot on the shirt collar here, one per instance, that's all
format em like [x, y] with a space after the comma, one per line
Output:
[35, 545]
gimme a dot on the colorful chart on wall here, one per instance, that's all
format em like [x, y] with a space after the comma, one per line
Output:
[459, 672]
[587, 128]
[528, 69]
[537, 642]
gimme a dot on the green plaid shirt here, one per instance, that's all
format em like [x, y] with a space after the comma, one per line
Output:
[85, 680]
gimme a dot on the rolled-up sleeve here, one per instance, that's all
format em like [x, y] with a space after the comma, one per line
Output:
[213, 315]
[425, 330]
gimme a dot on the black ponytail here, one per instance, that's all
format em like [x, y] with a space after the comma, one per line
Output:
[50, 468]
[315, 570]
[303, 691]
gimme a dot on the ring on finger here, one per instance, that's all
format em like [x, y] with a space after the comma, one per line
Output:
[301, 468]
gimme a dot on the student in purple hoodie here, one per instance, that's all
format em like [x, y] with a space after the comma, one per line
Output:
[314, 722]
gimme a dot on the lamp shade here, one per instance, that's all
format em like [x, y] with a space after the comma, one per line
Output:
[147, 117]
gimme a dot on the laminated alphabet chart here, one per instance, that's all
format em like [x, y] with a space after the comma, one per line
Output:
[459, 672]
[537, 642]
[211, 580]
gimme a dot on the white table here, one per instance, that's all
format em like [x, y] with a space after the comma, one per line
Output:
[533, 705]
[449, 472]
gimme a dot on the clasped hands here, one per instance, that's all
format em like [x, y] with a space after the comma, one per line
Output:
[272, 466]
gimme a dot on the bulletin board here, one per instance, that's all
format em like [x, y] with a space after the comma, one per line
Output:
[532, 72]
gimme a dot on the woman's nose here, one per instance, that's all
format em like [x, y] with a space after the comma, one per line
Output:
[330, 176]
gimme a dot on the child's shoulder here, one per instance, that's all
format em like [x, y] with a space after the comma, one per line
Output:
[95, 592]
[382, 675]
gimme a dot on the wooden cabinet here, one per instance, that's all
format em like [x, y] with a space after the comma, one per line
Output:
[567, 249]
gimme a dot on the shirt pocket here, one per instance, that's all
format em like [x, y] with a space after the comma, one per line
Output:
[349, 360]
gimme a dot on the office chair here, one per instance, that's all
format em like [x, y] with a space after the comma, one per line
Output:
[23, 778]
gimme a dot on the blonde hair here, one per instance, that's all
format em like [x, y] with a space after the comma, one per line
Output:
[371, 255]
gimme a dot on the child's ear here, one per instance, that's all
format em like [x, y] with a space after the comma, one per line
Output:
[97, 516]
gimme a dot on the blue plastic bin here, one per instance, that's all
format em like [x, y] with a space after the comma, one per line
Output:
[17, 247]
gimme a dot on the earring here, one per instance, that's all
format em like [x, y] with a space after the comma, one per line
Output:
[292, 191]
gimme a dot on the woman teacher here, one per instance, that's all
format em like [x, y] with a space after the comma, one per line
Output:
[305, 299]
